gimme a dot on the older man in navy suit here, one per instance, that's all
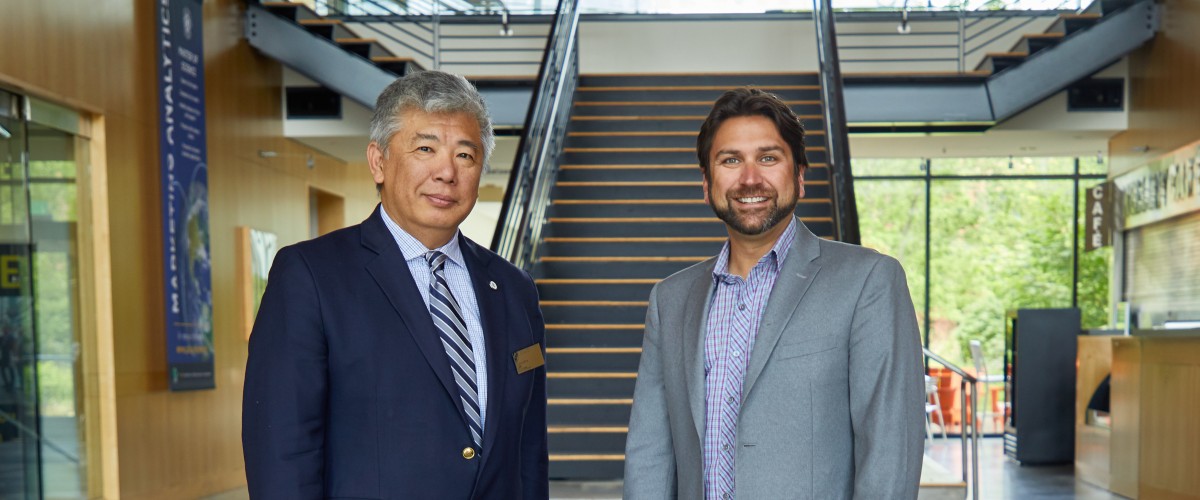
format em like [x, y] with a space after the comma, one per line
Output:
[397, 358]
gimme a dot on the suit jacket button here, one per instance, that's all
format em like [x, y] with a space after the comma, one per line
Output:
[468, 453]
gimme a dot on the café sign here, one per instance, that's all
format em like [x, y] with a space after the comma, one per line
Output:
[1164, 188]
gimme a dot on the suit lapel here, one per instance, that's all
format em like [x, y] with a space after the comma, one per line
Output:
[695, 320]
[798, 272]
[391, 274]
[494, 318]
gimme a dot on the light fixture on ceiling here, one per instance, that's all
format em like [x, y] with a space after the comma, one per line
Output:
[904, 28]
[1140, 149]
[1099, 157]
[309, 160]
[505, 29]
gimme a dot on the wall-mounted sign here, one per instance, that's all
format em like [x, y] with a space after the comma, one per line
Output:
[1166, 187]
[1098, 218]
[184, 172]
[256, 250]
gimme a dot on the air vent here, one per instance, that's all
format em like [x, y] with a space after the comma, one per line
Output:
[1097, 94]
[313, 102]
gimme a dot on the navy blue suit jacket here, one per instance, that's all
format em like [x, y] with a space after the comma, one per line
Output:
[349, 393]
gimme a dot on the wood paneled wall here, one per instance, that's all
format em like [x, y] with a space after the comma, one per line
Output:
[99, 57]
[1164, 102]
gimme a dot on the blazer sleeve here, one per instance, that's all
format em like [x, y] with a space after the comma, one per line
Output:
[886, 387]
[650, 468]
[284, 400]
[535, 466]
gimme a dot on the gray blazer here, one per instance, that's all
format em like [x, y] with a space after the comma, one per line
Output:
[833, 398]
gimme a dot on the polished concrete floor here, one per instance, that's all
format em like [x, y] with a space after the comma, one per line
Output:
[1000, 478]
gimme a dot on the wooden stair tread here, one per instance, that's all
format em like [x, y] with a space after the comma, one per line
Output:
[593, 350]
[694, 87]
[689, 201]
[664, 117]
[595, 281]
[572, 457]
[592, 374]
[637, 239]
[657, 134]
[918, 74]
[645, 166]
[320, 22]
[650, 183]
[673, 103]
[660, 219]
[572, 429]
[355, 40]
[626, 259]
[594, 303]
[705, 74]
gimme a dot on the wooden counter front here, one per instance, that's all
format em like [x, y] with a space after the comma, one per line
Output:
[1153, 448]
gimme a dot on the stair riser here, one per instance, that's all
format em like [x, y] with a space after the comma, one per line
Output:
[582, 270]
[672, 110]
[655, 157]
[588, 387]
[661, 210]
[650, 125]
[593, 314]
[658, 174]
[730, 81]
[579, 470]
[607, 415]
[686, 95]
[607, 362]
[595, 292]
[656, 229]
[594, 338]
[588, 442]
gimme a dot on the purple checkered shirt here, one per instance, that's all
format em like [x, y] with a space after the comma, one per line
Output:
[733, 317]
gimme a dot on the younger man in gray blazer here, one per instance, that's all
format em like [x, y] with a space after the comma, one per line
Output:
[787, 366]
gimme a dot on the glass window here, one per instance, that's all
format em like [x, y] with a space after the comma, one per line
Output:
[1003, 166]
[891, 219]
[885, 167]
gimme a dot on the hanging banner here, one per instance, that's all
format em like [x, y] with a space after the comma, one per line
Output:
[1097, 230]
[184, 171]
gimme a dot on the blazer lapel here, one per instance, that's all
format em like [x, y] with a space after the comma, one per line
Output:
[695, 320]
[391, 274]
[799, 269]
[494, 318]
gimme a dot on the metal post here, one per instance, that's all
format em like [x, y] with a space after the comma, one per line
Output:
[437, 35]
[975, 443]
[962, 431]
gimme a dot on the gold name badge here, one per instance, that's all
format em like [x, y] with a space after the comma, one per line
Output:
[529, 358]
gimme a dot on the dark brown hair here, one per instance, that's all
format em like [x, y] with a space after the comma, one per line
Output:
[748, 101]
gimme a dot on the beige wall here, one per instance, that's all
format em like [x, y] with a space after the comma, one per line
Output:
[1164, 102]
[99, 56]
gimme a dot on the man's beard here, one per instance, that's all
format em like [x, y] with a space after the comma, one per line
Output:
[742, 224]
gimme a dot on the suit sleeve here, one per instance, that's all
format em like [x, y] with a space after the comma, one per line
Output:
[649, 453]
[886, 387]
[535, 466]
[284, 401]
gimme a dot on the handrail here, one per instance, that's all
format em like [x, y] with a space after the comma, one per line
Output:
[836, 132]
[966, 381]
[521, 218]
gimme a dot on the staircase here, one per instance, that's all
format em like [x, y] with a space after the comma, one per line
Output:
[1029, 44]
[626, 211]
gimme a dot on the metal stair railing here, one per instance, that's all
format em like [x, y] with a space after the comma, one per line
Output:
[836, 134]
[523, 214]
[970, 455]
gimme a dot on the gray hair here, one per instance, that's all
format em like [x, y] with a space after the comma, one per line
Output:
[431, 92]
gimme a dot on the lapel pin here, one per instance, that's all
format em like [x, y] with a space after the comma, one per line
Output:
[493, 285]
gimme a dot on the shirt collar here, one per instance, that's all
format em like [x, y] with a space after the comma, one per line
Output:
[411, 248]
[773, 259]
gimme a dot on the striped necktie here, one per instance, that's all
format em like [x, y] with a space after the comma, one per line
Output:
[448, 318]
